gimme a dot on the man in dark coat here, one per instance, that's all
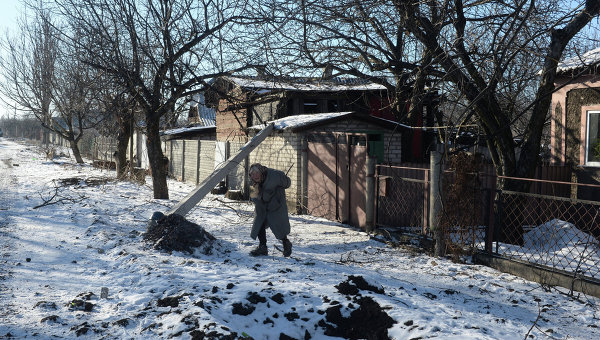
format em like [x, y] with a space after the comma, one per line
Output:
[270, 208]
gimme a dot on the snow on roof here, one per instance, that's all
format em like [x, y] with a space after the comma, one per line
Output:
[297, 121]
[300, 120]
[186, 129]
[335, 85]
[588, 58]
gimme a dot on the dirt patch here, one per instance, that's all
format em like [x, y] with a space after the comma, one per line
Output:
[175, 233]
[242, 309]
[91, 181]
[81, 303]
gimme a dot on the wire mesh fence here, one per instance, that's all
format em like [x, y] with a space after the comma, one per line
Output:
[556, 232]
[403, 195]
[548, 230]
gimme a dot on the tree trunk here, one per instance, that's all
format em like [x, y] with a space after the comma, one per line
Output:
[122, 142]
[158, 162]
[76, 152]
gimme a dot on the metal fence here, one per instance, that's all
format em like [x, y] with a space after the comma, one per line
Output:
[544, 227]
[402, 198]
[555, 232]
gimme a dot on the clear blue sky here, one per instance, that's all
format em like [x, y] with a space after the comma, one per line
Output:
[9, 10]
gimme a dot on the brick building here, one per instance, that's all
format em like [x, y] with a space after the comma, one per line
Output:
[325, 156]
[324, 132]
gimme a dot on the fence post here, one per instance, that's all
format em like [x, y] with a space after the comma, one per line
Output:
[435, 161]
[183, 160]
[198, 147]
[304, 176]
[171, 164]
[370, 193]
[489, 241]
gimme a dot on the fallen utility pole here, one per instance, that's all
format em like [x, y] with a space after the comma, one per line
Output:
[190, 201]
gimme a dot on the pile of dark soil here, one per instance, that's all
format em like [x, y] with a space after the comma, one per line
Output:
[175, 233]
[355, 284]
[367, 319]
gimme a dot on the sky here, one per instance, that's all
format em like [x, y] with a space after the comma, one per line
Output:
[74, 265]
[9, 11]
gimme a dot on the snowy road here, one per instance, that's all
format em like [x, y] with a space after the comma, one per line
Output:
[58, 257]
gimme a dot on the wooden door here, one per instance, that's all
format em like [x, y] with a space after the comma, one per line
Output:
[322, 179]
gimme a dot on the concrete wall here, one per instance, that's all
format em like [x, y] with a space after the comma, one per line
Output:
[190, 161]
[282, 151]
[103, 148]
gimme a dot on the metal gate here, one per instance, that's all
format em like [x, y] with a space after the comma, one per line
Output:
[337, 176]
[403, 198]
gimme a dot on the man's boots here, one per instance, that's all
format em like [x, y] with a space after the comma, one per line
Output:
[261, 250]
[287, 247]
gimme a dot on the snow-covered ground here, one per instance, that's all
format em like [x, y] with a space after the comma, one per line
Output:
[560, 245]
[56, 259]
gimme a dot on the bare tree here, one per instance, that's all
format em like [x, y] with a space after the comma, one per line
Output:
[160, 51]
[28, 63]
[41, 78]
[119, 108]
[365, 39]
[484, 54]
[483, 47]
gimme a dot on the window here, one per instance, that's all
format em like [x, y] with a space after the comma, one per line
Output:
[592, 141]
[311, 106]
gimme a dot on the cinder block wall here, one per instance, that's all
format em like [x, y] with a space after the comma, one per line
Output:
[190, 158]
[391, 141]
[207, 159]
[236, 178]
[282, 151]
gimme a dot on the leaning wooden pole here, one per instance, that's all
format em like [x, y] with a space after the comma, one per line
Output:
[190, 201]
